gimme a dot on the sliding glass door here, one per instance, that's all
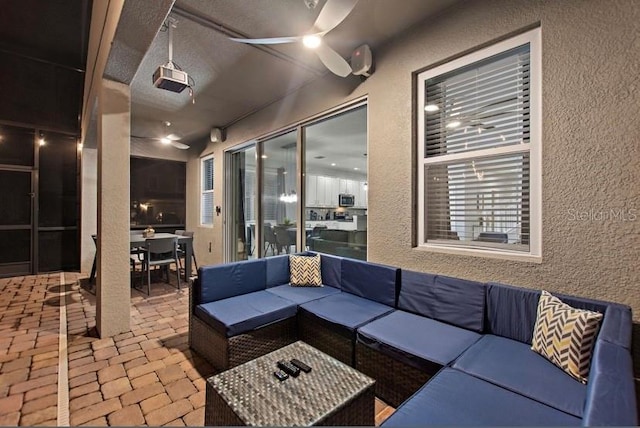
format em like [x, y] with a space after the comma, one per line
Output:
[336, 187]
[242, 226]
[305, 188]
[279, 194]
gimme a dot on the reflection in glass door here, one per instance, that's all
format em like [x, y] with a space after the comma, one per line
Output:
[16, 199]
[279, 194]
[242, 224]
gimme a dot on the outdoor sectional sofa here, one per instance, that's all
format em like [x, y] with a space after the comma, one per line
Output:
[446, 351]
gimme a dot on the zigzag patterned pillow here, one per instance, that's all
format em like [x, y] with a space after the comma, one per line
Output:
[304, 271]
[565, 335]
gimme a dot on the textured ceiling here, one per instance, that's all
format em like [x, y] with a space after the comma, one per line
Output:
[233, 80]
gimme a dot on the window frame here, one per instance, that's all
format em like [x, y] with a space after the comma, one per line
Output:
[203, 191]
[534, 148]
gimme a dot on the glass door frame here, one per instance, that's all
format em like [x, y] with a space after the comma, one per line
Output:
[5, 269]
[299, 127]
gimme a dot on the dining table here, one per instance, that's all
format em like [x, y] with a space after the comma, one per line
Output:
[137, 240]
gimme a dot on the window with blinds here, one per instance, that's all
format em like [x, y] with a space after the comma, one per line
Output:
[206, 199]
[479, 150]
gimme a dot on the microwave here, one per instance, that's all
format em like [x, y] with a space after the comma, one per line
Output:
[346, 200]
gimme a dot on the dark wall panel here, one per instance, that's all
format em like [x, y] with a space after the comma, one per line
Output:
[40, 94]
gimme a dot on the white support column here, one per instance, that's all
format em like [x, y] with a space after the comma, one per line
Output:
[113, 293]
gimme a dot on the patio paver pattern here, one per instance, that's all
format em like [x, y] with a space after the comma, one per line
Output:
[145, 376]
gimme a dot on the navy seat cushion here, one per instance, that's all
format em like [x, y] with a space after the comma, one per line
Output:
[455, 301]
[346, 310]
[416, 340]
[301, 295]
[219, 282]
[240, 314]
[371, 281]
[277, 270]
[453, 398]
[514, 366]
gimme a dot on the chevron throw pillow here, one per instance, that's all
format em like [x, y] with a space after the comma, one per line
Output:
[304, 271]
[565, 335]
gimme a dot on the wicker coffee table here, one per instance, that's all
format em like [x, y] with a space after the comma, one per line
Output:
[331, 394]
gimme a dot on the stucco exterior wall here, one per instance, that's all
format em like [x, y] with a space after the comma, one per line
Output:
[590, 133]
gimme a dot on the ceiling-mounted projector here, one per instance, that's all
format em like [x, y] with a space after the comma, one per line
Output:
[170, 79]
[170, 76]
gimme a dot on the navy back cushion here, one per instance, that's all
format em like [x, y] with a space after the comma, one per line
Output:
[370, 280]
[331, 270]
[277, 270]
[455, 301]
[512, 311]
[219, 282]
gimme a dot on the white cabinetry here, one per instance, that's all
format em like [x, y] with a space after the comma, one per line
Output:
[322, 192]
[311, 196]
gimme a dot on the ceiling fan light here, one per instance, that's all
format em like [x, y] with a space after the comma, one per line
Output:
[165, 140]
[311, 41]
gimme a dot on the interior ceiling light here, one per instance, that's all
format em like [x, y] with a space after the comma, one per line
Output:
[264, 156]
[333, 164]
[430, 108]
[311, 41]
[356, 169]
[454, 124]
[165, 140]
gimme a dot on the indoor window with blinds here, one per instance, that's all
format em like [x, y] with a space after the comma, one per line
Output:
[477, 138]
[206, 200]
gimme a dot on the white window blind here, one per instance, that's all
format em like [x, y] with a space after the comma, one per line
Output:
[206, 200]
[476, 154]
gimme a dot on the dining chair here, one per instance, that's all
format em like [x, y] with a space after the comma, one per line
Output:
[283, 238]
[269, 238]
[160, 252]
[182, 250]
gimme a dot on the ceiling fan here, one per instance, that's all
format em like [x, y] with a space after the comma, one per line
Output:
[169, 138]
[331, 15]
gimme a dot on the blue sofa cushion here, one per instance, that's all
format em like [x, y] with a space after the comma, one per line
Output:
[371, 281]
[302, 294]
[416, 340]
[219, 282]
[451, 300]
[611, 391]
[277, 269]
[331, 270]
[511, 312]
[240, 314]
[346, 310]
[453, 398]
[514, 366]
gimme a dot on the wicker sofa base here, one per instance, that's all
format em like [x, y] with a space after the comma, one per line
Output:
[395, 380]
[319, 334]
[227, 352]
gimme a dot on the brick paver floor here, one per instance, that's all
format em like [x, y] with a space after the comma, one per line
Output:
[145, 376]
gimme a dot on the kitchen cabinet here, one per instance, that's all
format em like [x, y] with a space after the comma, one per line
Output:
[322, 192]
[311, 196]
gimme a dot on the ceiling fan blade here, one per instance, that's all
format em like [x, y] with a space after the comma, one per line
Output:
[333, 61]
[332, 14]
[268, 41]
[179, 145]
